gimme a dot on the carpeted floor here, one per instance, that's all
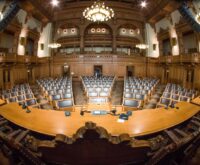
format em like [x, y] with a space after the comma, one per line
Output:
[79, 96]
[154, 99]
[81, 99]
[117, 93]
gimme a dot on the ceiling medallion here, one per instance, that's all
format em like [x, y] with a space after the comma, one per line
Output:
[98, 12]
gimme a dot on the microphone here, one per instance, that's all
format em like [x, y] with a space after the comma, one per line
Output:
[24, 105]
[113, 111]
[28, 110]
[82, 113]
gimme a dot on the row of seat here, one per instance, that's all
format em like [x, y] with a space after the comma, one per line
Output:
[98, 87]
[58, 91]
[174, 93]
[19, 93]
[177, 89]
[137, 91]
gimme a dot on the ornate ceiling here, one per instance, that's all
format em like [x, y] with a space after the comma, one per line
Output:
[155, 10]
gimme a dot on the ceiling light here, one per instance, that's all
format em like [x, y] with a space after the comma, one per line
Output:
[98, 12]
[1, 16]
[54, 45]
[143, 4]
[198, 18]
[54, 2]
[142, 46]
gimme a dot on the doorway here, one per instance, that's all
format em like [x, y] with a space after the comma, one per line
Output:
[98, 70]
[129, 71]
[66, 70]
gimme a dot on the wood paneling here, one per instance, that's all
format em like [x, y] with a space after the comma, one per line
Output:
[111, 65]
[197, 77]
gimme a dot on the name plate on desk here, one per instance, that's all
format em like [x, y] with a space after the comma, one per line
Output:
[99, 112]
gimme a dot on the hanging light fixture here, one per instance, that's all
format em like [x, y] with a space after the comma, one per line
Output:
[54, 45]
[98, 12]
[198, 18]
[1, 16]
[142, 46]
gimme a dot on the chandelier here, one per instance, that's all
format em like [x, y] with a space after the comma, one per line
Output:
[54, 45]
[142, 46]
[98, 12]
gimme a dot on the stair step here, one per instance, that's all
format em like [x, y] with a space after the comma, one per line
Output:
[21, 135]
[3, 122]
[195, 122]
[180, 132]
[14, 133]
[172, 136]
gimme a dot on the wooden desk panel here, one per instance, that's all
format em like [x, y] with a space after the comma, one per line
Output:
[141, 123]
[196, 100]
[106, 107]
[2, 102]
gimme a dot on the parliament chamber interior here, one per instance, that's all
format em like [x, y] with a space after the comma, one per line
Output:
[99, 82]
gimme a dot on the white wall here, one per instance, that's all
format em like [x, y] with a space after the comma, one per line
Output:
[31, 23]
[165, 24]
[151, 38]
[45, 38]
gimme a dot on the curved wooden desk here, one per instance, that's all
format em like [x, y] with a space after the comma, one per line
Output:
[196, 100]
[142, 122]
[2, 102]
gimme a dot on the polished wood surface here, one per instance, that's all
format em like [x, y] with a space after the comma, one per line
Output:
[2, 102]
[196, 100]
[91, 107]
[144, 122]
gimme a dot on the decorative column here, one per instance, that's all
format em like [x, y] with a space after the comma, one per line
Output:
[81, 31]
[197, 37]
[36, 47]
[16, 42]
[114, 46]
[160, 47]
[180, 42]
[81, 43]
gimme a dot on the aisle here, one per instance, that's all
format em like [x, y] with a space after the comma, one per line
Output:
[79, 97]
[117, 93]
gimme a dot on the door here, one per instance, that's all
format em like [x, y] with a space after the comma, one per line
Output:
[129, 71]
[98, 70]
[66, 70]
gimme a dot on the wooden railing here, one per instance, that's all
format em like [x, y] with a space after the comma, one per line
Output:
[189, 58]
[106, 56]
[13, 58]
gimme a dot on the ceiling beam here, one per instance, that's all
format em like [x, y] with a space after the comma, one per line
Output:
[160, 8]
[38, 6]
